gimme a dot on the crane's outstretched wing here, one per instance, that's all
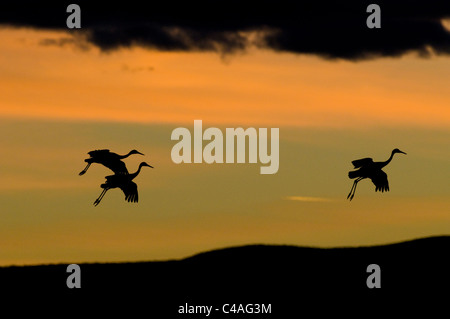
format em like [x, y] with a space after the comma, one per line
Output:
[130, 191]
[109, 160]
[362, 162]
[117, 166]
[98, 153]
[379, 179]
[97, 156]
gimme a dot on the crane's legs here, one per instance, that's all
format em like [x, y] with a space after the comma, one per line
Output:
[85, 169]
[353, 190]
[97, 201]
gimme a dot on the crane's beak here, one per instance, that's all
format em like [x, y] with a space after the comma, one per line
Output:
[402, 152]
[139, 153]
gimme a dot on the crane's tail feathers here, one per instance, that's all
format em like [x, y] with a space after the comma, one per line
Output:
[132, 198]
[353, 174]
[382, 189]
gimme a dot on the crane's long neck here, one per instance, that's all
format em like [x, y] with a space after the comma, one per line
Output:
[383, 164]
[125, 156]
[132, 176]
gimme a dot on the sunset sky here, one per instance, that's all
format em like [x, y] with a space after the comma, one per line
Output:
[63, 94]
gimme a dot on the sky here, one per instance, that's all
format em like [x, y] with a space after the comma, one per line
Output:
[121, 84]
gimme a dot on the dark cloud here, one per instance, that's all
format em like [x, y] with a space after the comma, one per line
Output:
[329, 28]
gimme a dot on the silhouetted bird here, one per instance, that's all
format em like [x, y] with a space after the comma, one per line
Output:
[370, 169]
[109, 159]
[124, 182]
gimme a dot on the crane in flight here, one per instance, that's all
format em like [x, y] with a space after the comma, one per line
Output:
[367, 168]
[108, 159]
[124, 182]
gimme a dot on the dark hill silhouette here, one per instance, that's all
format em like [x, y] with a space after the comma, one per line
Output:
[294, 280]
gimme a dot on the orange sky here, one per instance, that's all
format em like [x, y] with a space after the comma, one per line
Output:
[58, 103]
[256, 87]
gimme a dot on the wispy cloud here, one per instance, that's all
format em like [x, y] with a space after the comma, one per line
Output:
[308, 199]
[76, 41]
[127, 68]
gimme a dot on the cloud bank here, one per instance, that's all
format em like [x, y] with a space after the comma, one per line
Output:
[330, 29]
